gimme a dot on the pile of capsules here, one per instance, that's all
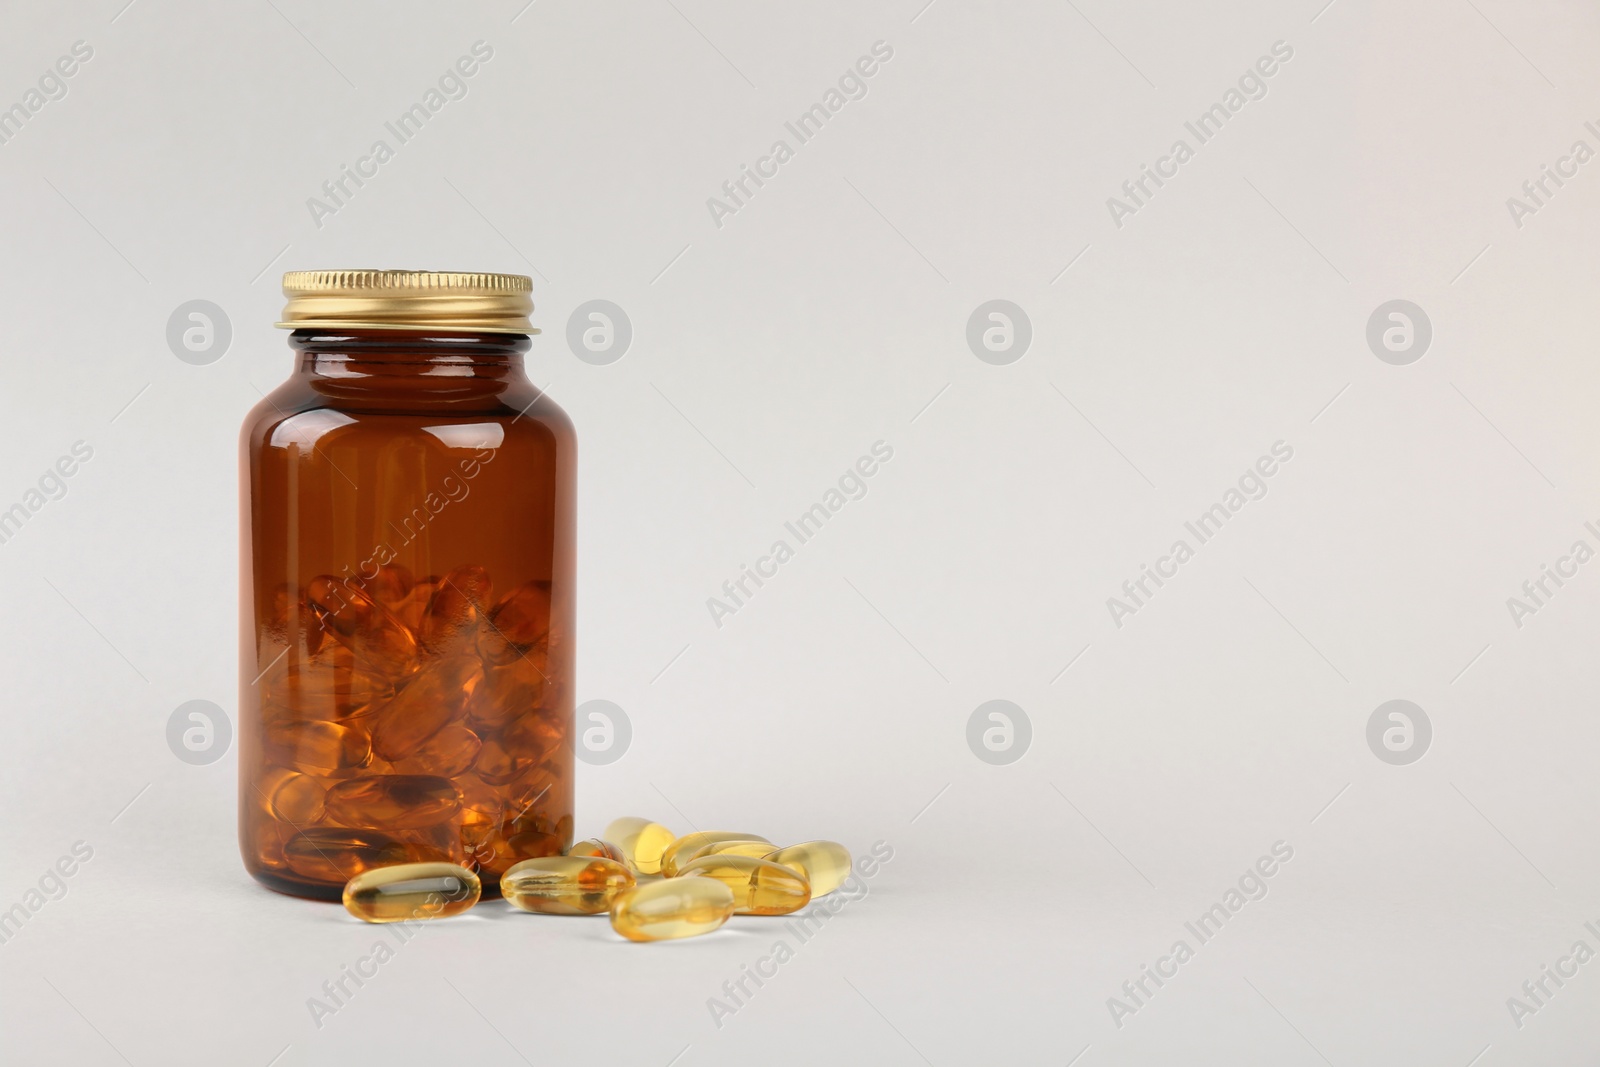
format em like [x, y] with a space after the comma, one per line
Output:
[654, 884]
[430, 721]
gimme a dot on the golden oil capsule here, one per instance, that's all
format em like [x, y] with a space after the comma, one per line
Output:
[594, 846]
[446, 754]
[434, 698]
[393, 801]
[411, 891]
[390, 585]
[337, 853]
[689, 846]
[676, 907]
[518, 624]
[642, 842]
[316, 689]
[498, 764]
[566, 885]
[452, 615]
[295, 798]
[826, 864]
[759, 887]
[317, 746]
[536, 734]
[758, 850]
[415, 604]
[506, 693]
[363, 625]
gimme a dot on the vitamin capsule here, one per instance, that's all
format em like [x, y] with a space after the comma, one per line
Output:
[317, 747]
[754, 849]
[595, 847]
[451, 618]
[517, 625]
[497, 764]
[759, 887]
[826, 864]
[506, 693]
[688, 846]
[410, 610]
[276, 617]
[411, 891]
[565, 885]
[536, 733]
[390, 586]
[475, 826]
[313, 689]
[393, 801]
[505, 847]
[363, 625]
[641, 841]
[265, 846]
[435, 697]
[296, 798]
[446, 754]
[478, 794]
[289, 621]
[337, 853]
[540, 786]
[439, 843]
[676, 907]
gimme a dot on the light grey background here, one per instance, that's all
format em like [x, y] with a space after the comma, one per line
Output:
[768, 354]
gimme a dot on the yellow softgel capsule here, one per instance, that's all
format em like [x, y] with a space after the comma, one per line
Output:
[676, 907]
[757, 850]
[411, 891]
[689, 846]
[759, 887]
[826, 864]
[566, 885]
[641, 842]
[594, 846]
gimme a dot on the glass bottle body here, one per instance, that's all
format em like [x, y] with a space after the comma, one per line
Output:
[407, 523]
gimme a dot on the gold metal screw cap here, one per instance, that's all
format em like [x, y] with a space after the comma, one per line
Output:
[407, 300]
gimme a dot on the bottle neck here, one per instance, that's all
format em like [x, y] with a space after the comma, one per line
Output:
[377, 354]
[411, 370]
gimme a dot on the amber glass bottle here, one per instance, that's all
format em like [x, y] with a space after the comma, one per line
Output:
[406, 598]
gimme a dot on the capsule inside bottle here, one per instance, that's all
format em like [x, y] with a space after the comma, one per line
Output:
[411, 891]
[672, 908]
[566, 885]
[759, 887]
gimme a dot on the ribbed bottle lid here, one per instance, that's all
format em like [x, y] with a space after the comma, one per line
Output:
[408, 300]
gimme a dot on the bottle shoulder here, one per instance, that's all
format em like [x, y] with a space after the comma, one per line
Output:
[307, 412]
